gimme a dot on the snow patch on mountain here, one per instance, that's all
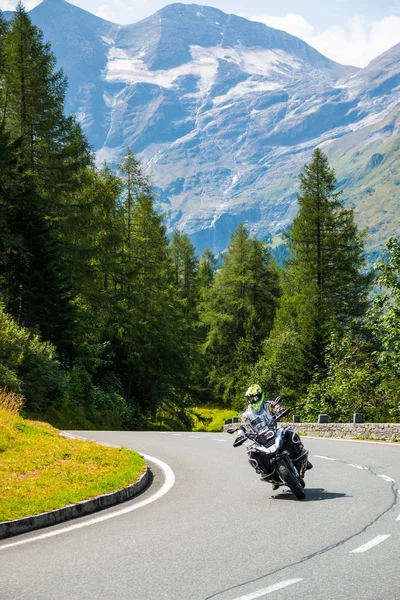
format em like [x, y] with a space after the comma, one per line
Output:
[224, 112]
[124, 68]
[242, 89]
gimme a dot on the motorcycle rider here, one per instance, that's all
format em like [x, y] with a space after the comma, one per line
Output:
[257, 416]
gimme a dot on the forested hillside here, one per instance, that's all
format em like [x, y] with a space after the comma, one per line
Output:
[106, 322]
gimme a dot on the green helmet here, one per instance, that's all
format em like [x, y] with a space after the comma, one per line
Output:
[255, 396]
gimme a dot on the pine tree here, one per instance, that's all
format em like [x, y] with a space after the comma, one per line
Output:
[187, 290]
[49, 154]
[324, 286]
[135, 183]
[10, 241]
[239, 310]
[34, 290]
[185, 265]
[3, 31]
[52, 146]
[92, 241]
[206, 271]
[147, 332]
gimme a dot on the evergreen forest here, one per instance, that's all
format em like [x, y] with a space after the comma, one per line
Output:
[106, 321]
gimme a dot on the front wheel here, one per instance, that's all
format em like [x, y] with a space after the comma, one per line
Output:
[290, 479]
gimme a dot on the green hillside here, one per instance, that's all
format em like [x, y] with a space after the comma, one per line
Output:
[367, 163]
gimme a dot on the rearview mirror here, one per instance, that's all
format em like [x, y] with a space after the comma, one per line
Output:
[277, 401]
[233, 429]
[284, 412]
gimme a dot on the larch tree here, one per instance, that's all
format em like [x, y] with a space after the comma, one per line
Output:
[324, 285]
[49, 151]
[238, 311]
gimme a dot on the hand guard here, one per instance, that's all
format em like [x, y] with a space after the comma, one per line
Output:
[239, 440]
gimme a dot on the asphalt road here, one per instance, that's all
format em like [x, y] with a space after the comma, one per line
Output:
[220, 533]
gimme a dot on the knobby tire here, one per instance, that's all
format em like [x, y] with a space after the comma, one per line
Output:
[290, 480]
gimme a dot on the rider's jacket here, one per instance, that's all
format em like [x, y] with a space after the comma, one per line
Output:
[257, 421]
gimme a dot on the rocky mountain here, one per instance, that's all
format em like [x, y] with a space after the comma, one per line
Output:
[224, 112]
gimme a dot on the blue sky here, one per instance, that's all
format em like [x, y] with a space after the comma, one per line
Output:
[349, 31]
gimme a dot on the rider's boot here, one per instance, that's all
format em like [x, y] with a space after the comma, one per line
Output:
[275, 487]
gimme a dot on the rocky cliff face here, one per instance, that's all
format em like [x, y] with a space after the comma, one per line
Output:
[224, 112]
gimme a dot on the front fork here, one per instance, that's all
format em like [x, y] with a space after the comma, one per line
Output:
[302, 460]
[291, 462]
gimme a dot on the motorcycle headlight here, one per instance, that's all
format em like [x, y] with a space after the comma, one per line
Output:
[267, 437]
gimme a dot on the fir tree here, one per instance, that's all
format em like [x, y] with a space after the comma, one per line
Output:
[32, 96]
[3, 32]
[35, 291]
[49, 153]
[239, 310]
[185, 265]
[206, 271]
[324, 286]
[147, 324]
[135, 183]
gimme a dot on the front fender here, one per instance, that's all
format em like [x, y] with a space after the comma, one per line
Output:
[285, 455]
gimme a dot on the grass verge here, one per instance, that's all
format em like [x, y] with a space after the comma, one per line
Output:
[210, 419]
[40, 470]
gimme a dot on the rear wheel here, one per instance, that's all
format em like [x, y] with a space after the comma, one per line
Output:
[290, 479]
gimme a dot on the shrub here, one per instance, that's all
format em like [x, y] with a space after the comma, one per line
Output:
[28, 365]
[210, 419]
[10, 405]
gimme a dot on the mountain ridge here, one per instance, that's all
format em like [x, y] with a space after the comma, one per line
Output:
[224, 112]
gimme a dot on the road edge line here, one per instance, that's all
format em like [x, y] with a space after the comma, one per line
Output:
[79, 509]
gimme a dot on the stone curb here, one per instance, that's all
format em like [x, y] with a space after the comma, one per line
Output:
[86, 507]
[384, 432]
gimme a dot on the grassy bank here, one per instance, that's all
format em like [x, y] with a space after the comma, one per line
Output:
[210, 419]
[40, 470]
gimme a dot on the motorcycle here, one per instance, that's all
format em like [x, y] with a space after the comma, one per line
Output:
[277, 454]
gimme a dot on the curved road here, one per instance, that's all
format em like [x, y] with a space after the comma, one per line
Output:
[220, 533]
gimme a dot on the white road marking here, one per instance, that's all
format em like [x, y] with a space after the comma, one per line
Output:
[371, 544]
[268, 590]
[166, 486]
[398, 518]
[85, 439]
[386, 478]
[351, 440]
[324, 457]
[217, 440]
[356, 466]
[179, 434]
[197, 437]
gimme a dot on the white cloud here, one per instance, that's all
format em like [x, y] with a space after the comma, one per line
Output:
[29, 4]
[119, 11]
[6, 5]
[104, 12]
[356, 43]
[11, 4]
[294, 24]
